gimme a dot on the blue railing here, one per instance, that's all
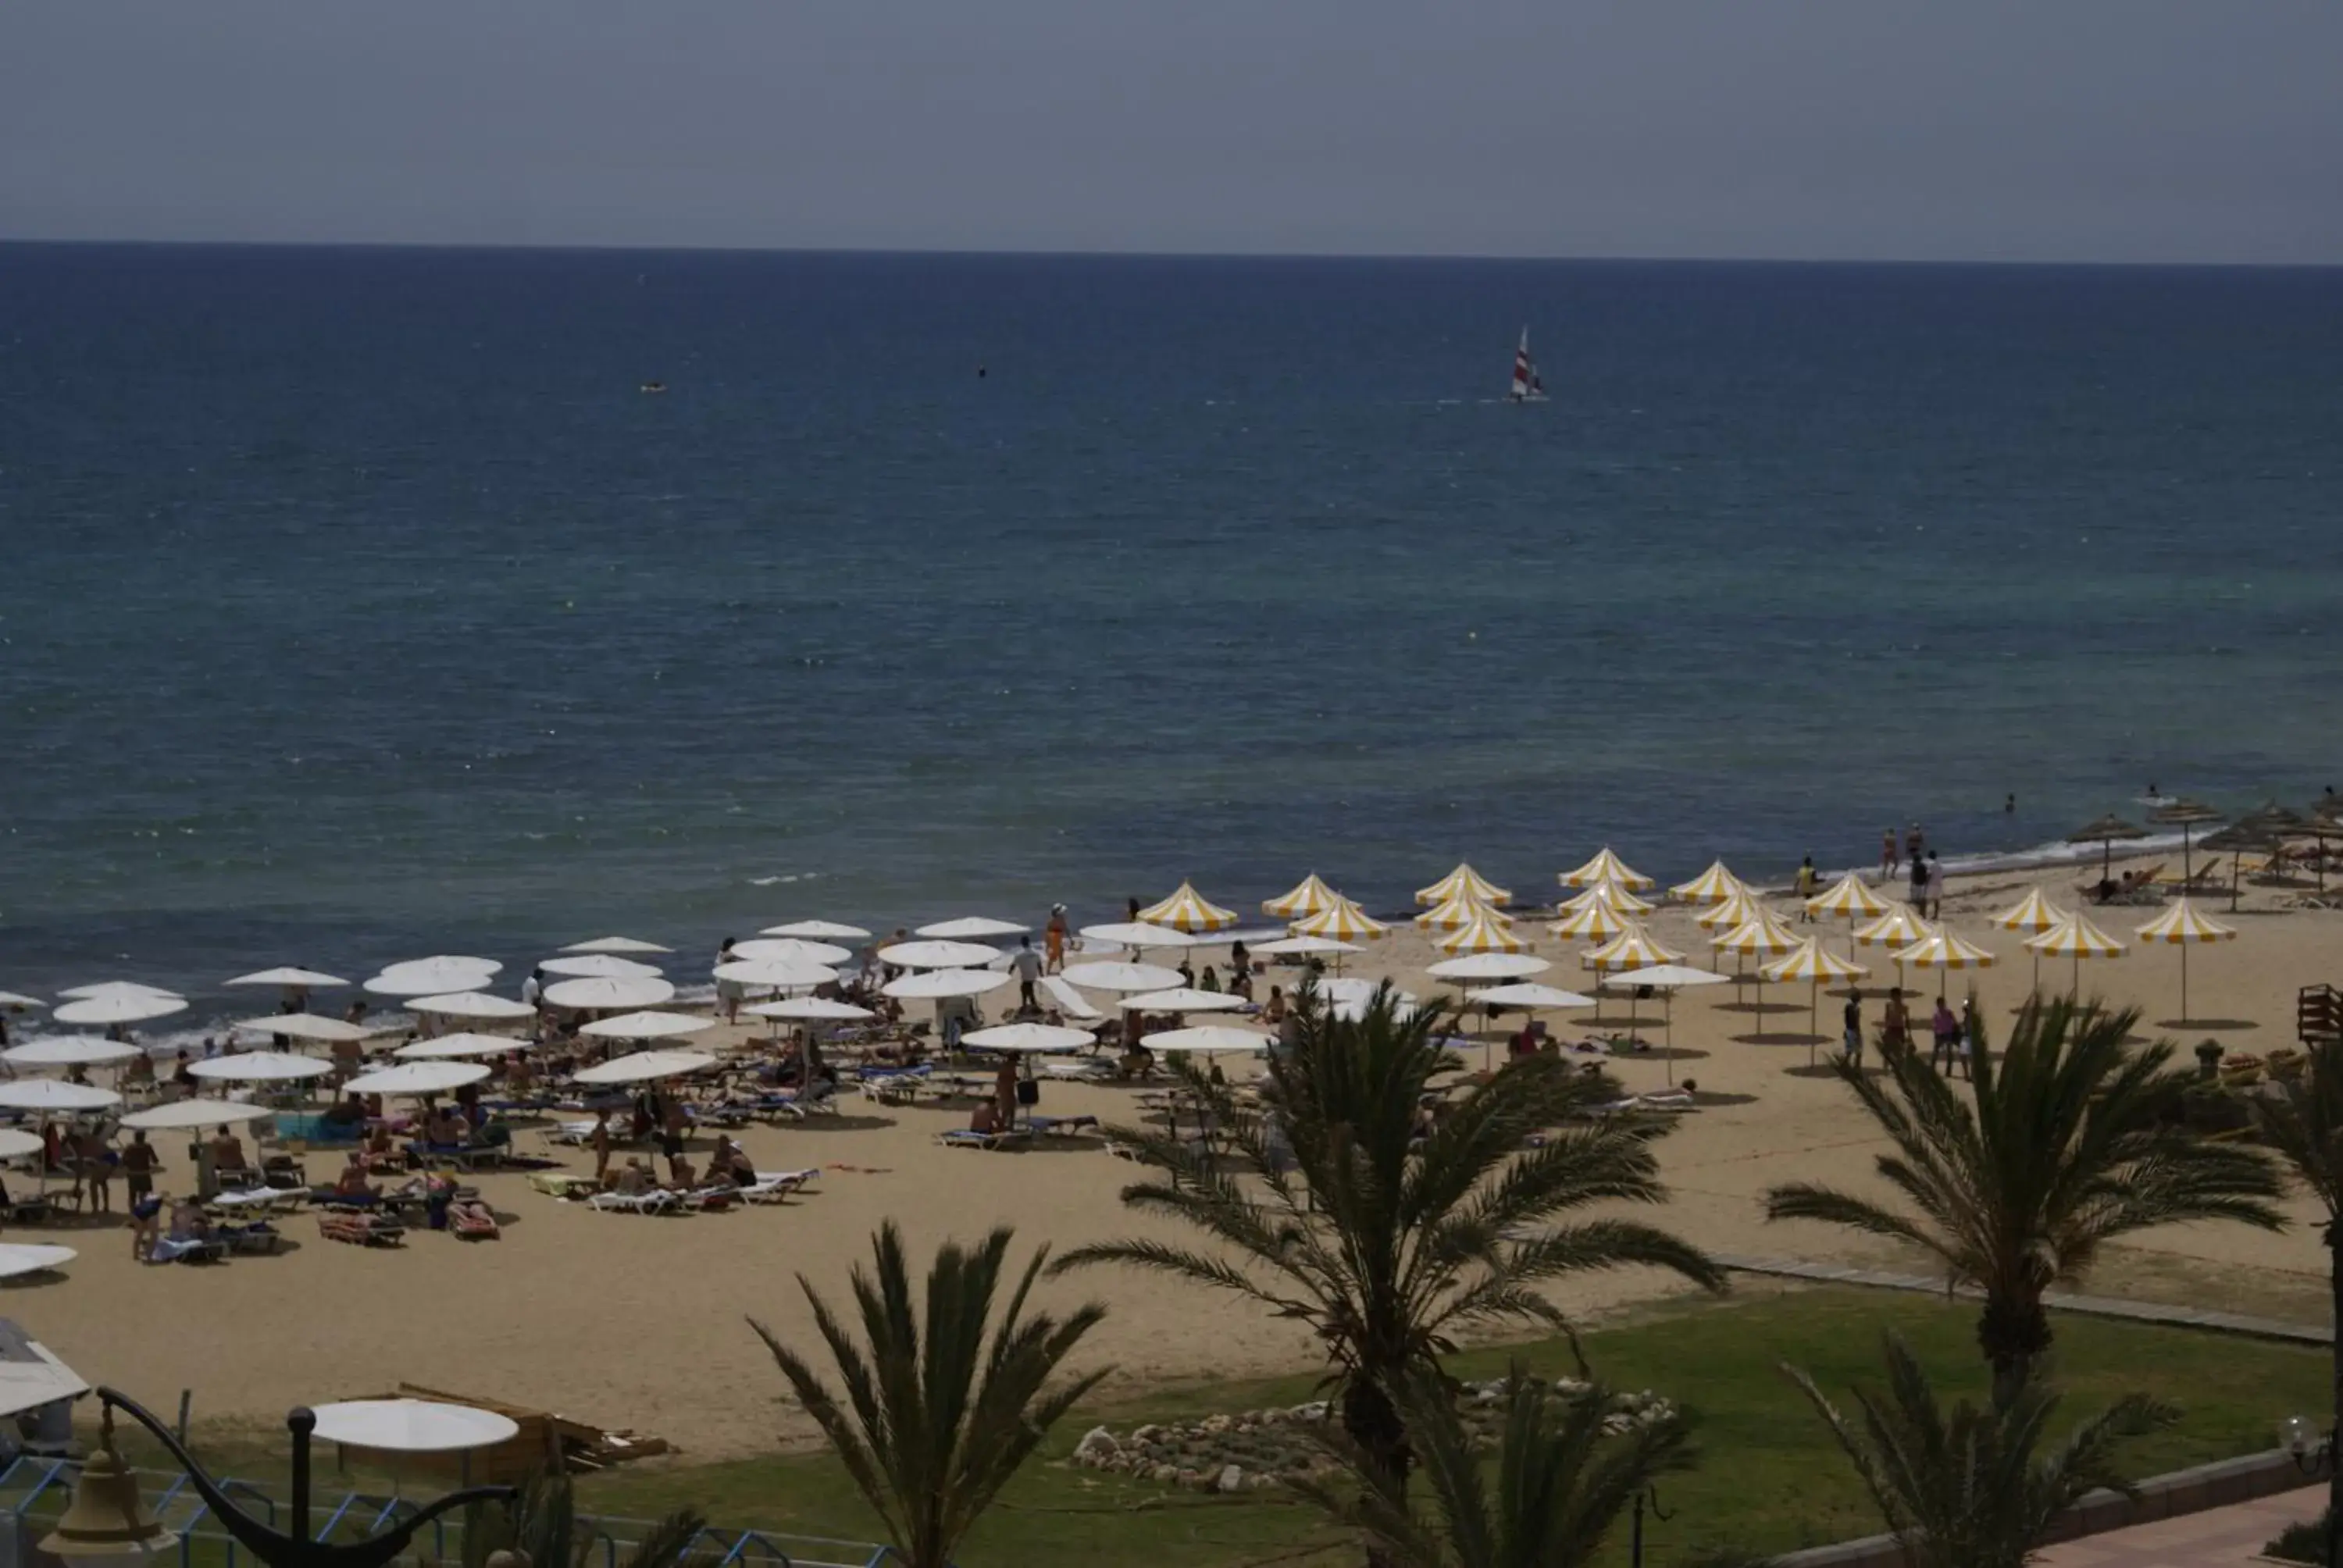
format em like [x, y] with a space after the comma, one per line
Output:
[32, 1488]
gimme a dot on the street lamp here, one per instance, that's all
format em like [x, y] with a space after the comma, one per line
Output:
[1650, 1496]
[2314, 1454]
[103, 1519]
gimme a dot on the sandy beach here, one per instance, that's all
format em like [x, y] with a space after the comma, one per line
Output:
[638, 1322]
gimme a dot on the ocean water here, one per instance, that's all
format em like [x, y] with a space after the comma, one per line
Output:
[355, 604]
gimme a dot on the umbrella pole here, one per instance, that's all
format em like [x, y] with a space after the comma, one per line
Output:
[2184, 983]
[1814, 1016]
[1668, 1040]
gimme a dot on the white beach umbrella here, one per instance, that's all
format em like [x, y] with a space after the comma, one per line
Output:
[1139, 934]
[299, 978]
[939, 955]
[1943, 951]
[2182, 923]
[1633, 948]
[119, 1007]
[2077, 938]
[18, 998]
[185, 1115]
[1597, 922]
[68, 1050]
[440, 975]
[1897, 926]
[98, 989]
[1490, 966]
[776, 974]
[1360, 990]
[55, 1094]
[645, 1066]
[418, 1078]
[1737, 908]
[1453, 914]
[1183, 999]
[18, 1258]
[412, 1426]
[1342, 920]
[816, 930]
[1606, 866]
[1485, 934]
[595, 995]
[15, 1143]
[937, 985]
[972, 929]
[2034, 915]
[616, 945]
[1208, 1039]
[1852, 897]
[1036, 1038]
[483, 1005]
[810, 1009]
[453, 1047]
[1305, 947]
[792, 950]
[1668, 978]
[1120, 977]
[260, 1067]
[303, 1026]
[1531, 994]
[600, 966]
[647, 1026]
[1616, 896]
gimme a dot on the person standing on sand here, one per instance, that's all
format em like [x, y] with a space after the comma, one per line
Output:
[728, 992]
[1806, 889]
[1852, 1039]
[1053, 938]
[1936, 887]
[1888, 862]
[1920, 886]
[1895, 1023]
[1004, 1092]
[1026, 965]
[1916, 842]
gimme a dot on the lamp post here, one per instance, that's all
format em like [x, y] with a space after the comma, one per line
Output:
[2314, 1453]
[103, 1519]
[1649, 1496]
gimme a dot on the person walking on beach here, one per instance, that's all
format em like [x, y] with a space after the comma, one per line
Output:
[1936, 887]
[1852, 1039]
[1895, 1022]
[1888, 862]
[728, 992]
[532, 994]
[1920, 887]
[138, 1163]
[1916, 842]
[1806, 889]
[1005, 1093]
[1053, 936]
[1026, 965]
[1946, 1029]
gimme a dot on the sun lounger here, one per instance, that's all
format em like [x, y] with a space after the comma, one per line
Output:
[185, 1250]
[563, 1183]
[251, 1236]
[894, 1085]
[774, 1186]
[360, 1229]
[967, 1139]
[820, 1099]
[658, 1200]
[472, 1223]
[1089, 1069]
[1060, 1126]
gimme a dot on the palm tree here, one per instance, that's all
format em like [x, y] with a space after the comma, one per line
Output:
[541, 1522]
[1561, 1482]
[1971, 1490]
[1386, 1244]
[2063, 1144]
[2304, 1125]
[935, 1420]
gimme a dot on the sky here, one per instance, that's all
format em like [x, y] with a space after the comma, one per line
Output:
[2054, 130]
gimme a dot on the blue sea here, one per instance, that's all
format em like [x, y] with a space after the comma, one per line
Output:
[358, 604]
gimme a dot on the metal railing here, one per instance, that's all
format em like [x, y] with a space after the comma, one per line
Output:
[34, 1491]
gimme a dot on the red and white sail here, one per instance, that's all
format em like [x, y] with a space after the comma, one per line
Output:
[1528, 386]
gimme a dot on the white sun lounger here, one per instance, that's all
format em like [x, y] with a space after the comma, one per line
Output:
[772, 1186]
[658, 1202]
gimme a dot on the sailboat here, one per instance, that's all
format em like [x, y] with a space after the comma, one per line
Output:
[1528, 386]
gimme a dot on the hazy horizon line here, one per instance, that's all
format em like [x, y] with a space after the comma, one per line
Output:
[1007, 253]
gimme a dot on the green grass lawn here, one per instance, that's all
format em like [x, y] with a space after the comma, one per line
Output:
[1768, 1478]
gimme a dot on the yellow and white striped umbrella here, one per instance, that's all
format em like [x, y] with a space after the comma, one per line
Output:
[1621, 899]
[2185, 925]
[1457, 913]
[1308, 897]
[1737, 909]
[1943, 951]
[1344, 922]
[1897, 926]
[1189, 910]
[1489, 932]
[1849, 895]
[2034, 913]
[1597, 922]
[1812, 962]
[1763, 935]
[1467, 881]
[1606, 866]
[1633, 948]
[1713, 886]
[2075, 937]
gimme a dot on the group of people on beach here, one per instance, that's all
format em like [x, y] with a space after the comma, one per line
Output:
[1956, 1037]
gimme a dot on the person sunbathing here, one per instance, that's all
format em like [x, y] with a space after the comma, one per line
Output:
[727, 1162]
[985, 1119]
[187, 1222]
[352, 1182]
[634, 1179]
[227, 1154]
